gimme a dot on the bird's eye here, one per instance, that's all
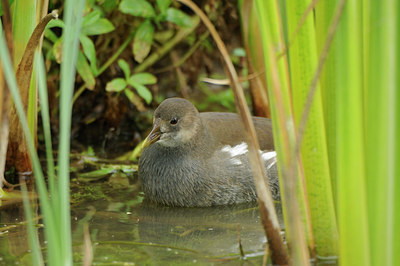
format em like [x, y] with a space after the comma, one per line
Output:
[173, 121]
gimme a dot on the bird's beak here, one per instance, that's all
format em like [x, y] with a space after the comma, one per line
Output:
[154, 135]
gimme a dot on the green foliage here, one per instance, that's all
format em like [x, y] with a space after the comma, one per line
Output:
[349, 87]
[143, 40]
[163, 5]
[279, 92]
[137, 8]
[55, 209]
[108, 5]
[93, 24]
[178, 17]
[85, 72]
[150, 21]
[116, 85]
[144, 34]
[137, 81]
[141, 90]
[143, 78]
[225, 98]
[303, 58]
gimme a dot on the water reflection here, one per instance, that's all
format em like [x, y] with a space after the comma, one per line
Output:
[123, 230]
[211, 231]
[163, 233]
[13, 235]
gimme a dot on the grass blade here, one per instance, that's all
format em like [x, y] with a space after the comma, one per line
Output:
[291, 185]
[44, 110]
[73, 21]
[50, 227]
[394, 122]
[303, 61]
[323, 15]
[380, 120]
[352, 209]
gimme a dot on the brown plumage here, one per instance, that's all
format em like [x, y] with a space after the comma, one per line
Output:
[200, 159]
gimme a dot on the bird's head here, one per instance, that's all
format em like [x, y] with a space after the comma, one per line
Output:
[176, 121]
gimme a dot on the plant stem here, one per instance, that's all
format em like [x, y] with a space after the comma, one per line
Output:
[116, 55]
[162, 51]
[186, 55]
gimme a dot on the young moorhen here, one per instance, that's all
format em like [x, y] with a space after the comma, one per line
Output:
[200, 159]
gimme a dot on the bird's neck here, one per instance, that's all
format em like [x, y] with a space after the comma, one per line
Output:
[201, 143]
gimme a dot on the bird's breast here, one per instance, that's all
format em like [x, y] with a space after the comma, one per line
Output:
[170, 178]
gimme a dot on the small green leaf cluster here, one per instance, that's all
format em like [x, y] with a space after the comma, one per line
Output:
[137, 81]
[145, 32]
[93, 24]
[150, 19]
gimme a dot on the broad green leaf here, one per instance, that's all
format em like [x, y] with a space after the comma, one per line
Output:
[50, 35]
[178, 17]
[101, 26]
[89, 51]
[163, 36]
[125, 67]
[163, 5]
[85, 72]
[116, 85]
[138, 8]
[96, 174]
[314, 156]
[55, 23]
[143, 78]
[130, 95]
[135, 99]
[141, 90]
[109, 5]
[91, 18]
[142, 41]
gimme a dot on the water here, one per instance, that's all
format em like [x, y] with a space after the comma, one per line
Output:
[126, 230]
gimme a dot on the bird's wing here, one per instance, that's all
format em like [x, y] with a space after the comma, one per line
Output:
[227, 128]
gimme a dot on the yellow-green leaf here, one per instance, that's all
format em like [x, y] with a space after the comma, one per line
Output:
[83, 68]
[163, 5]
[141, 90]
[101, 26]
[138, 8]
[178, 17]
[89, 51]
[116, 85]
[125, 67]
[143, 78]
[142, 41]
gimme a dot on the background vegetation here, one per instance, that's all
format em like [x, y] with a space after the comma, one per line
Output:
[327, 78]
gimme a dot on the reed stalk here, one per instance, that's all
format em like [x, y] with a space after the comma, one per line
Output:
[55, 207]
[303, 63]
[73, 22]
[351, 183]
[324, 14]
[292, 186]
[381, 86]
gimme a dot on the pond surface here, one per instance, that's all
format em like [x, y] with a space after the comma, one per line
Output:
[125, 230]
